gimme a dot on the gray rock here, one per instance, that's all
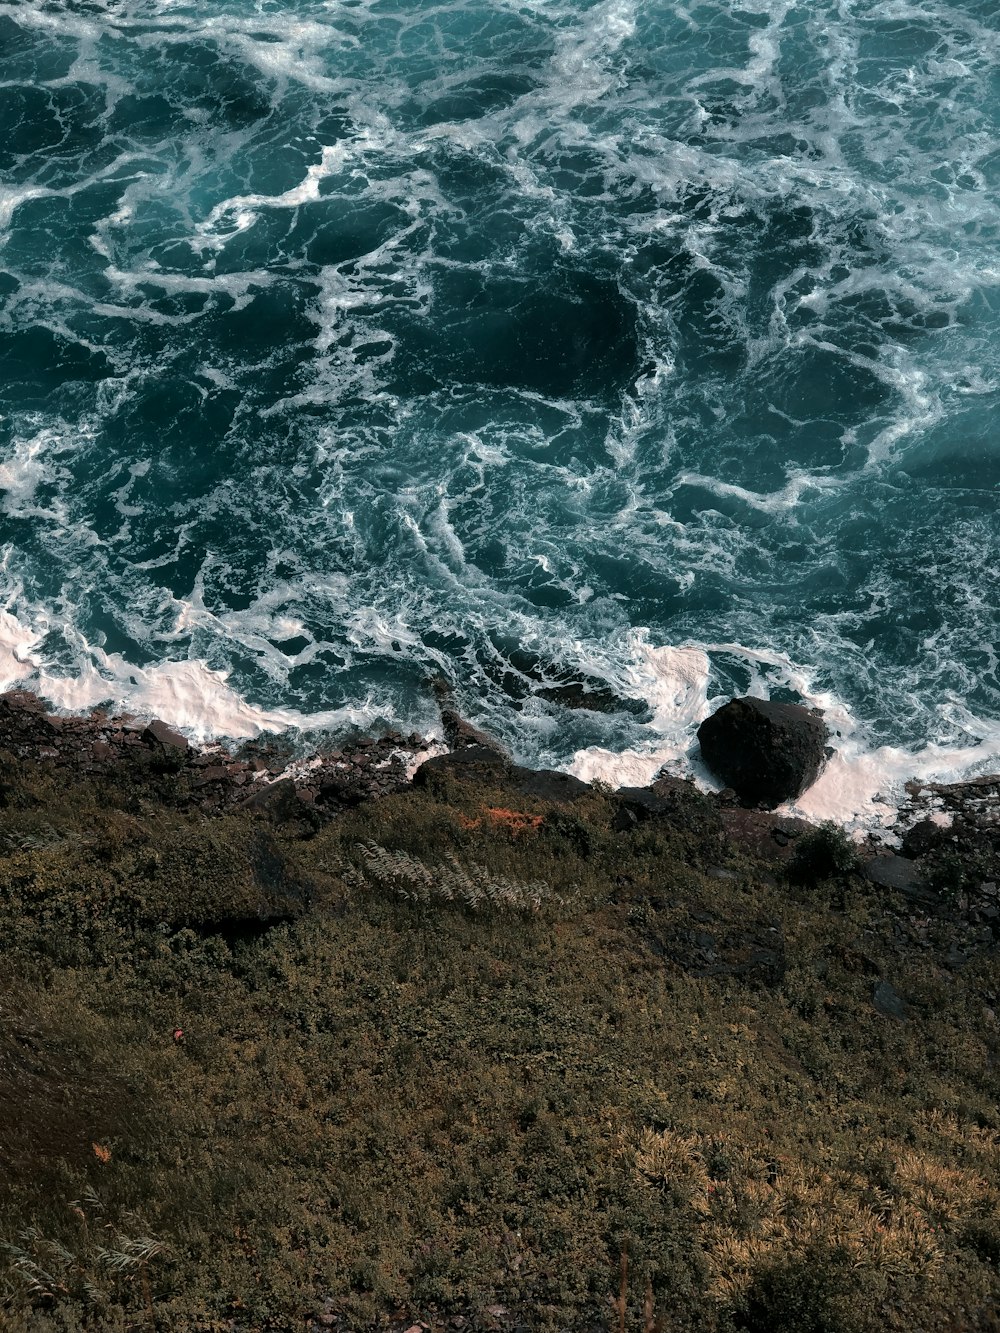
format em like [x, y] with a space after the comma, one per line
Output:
[893, 872]
[158, 733]
[888, 1001]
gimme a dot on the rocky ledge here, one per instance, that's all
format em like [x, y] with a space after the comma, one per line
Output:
[947, 836]
[263, 775]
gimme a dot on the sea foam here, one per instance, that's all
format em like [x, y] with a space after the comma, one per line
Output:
[642, 352]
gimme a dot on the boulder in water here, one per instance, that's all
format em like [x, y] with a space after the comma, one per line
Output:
[767, 752]
[458, 733]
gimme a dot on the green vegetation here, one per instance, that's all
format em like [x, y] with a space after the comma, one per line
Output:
[462, 1051]
[827, 852]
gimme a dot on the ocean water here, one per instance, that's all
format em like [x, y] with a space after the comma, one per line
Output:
[581, 351]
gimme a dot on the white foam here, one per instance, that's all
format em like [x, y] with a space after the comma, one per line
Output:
[674, 683]
[413, 761]
[188, 694]
[861, 786]
[799, 483]
[240, 212]
[17, 645]
[12, 196]
[581, 64]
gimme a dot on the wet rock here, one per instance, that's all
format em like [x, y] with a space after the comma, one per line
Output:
[594, 698]
[458, 733]
[767, 752]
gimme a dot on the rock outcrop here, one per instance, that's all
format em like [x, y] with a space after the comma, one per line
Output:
[766, 752]
[264, 777]
[460, 734]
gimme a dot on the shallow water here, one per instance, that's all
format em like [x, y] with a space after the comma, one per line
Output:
[644, 349]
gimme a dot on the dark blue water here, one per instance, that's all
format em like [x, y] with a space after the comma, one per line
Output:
[343, 344]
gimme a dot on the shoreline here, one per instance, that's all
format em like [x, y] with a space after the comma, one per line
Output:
[268, 775]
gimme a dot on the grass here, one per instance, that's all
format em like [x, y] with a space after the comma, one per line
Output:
[439, 1061]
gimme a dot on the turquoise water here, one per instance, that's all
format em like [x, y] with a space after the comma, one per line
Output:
[343, 344]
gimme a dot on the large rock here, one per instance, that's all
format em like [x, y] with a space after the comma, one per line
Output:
[159, 733]
[470, 763]
[767, 752]
[460, 734]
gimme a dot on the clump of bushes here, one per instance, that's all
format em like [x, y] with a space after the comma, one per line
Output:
[817, 1291]
[826, 853]
[952, 875]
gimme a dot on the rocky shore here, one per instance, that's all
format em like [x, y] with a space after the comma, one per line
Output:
[942, 854]
[268, 775]
[260, 775]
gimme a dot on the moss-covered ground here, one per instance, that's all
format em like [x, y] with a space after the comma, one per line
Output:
[458, 1056]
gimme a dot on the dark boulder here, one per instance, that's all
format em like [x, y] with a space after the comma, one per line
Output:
[471, 763]
[767, 752]
[924, 837]
[276, 801]
[634, 806]
[166, 749]
[892, 872]
[458, 733]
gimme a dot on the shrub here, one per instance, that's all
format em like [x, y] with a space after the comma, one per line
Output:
[816, 1291]
[952, 874]
[826, 853]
